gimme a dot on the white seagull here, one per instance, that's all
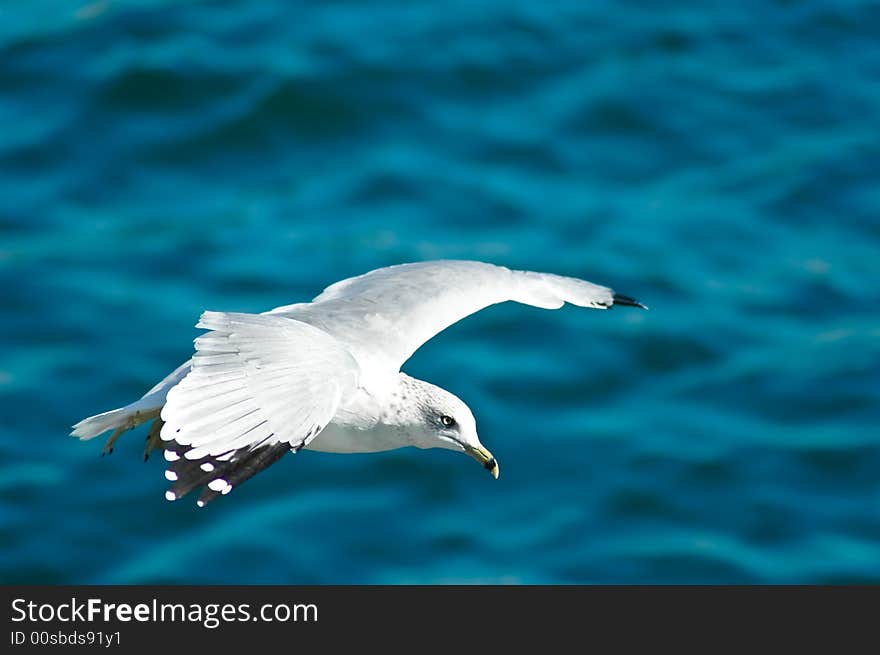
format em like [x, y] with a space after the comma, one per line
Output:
[325, 375]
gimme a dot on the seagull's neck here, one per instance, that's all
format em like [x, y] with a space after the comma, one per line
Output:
[402, 401]
[389, 401]
[385, 415]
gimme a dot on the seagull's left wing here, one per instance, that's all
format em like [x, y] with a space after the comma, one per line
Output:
[385, 315]
[259, 386]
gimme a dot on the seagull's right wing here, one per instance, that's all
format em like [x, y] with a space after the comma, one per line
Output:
[259, 386]
[383, 316]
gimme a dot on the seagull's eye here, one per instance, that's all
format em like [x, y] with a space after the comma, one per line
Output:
[447, 421]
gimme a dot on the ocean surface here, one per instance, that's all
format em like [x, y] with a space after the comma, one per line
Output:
[718, 161]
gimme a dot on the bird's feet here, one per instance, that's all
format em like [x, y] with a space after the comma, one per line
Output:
[153, 439]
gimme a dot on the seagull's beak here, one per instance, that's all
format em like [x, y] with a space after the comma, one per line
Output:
[485, 458]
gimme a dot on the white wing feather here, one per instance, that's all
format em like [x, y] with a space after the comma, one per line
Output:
[383, 316]
[257, 380]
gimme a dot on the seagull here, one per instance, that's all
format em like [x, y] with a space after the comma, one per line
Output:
[325, 375]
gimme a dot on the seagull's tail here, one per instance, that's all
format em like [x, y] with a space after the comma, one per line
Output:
[126, 417]
[121, 420]
[132, 415]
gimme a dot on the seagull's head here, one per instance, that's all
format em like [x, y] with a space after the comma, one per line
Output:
[446, 422]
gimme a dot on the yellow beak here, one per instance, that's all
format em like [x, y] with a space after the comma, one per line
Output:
[485, 458]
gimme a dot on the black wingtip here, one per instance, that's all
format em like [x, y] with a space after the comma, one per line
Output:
[627, 301]
[217, 476]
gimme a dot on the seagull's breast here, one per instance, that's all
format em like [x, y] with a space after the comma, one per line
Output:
[346, 438]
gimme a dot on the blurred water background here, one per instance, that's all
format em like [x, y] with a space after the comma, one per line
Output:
[718, 161]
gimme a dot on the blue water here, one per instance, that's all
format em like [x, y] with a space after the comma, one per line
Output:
[718, 161]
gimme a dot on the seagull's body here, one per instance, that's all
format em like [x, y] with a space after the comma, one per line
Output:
[325, 375]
